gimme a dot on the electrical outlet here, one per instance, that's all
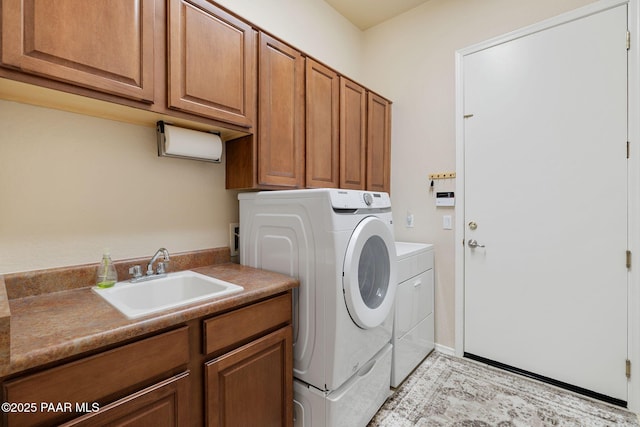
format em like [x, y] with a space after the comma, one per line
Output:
[234, 238]
[410, 220]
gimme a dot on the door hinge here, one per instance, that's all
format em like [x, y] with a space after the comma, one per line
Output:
[627, 369]
[628, 259]
[628, 149]
[628, 40]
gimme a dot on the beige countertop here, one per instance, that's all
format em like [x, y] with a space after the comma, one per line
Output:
[55, 326]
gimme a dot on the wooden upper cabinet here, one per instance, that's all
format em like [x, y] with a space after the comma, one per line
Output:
[353, 118]
[378, 143]
[323, 140]
[281, 106]
[102, 45]
[212, 62]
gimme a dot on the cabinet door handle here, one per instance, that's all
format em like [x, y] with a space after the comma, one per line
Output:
[417, 283]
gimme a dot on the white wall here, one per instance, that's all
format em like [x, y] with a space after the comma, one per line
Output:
[411, 60]
[309, 25]
[72, 184]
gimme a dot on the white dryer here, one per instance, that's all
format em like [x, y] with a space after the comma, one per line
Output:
[340, 245]
[413, 326]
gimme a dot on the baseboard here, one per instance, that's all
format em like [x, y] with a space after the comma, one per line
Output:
[445, 350]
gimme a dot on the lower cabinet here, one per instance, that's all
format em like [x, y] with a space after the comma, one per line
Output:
[230, 369]
[248, 369]
[90, 384]
[250, 386]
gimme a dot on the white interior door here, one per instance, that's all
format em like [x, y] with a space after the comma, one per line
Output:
[545, 193]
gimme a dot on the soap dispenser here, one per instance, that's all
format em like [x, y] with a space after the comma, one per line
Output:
[107, 275]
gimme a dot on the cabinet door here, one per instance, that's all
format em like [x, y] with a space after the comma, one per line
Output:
[353, 103]
[102, 45]
[253, 385]
[212, 62]
[163, 404]
[378, 143]
[281, 100]
[323, 142]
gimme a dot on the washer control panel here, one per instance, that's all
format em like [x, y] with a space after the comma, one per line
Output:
[356, 199]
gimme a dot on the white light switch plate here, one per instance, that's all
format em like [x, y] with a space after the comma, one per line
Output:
[410, 219]
[447, 222]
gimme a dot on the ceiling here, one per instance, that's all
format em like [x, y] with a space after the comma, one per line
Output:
[367, 13]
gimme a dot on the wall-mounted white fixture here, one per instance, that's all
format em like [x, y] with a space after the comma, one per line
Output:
[174, 141]
[410, 219]
[445, 198]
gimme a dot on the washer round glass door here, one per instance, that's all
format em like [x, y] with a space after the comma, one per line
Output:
[369, 273]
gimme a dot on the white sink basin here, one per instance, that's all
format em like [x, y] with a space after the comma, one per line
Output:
[174, 290]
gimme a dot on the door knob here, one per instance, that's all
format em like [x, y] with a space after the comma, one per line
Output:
[474, 244]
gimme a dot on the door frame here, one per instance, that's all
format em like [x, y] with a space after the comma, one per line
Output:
[633, 177]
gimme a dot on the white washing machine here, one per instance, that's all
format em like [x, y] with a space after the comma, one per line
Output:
[339, 244]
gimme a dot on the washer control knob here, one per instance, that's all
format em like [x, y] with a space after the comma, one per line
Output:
[368, 199]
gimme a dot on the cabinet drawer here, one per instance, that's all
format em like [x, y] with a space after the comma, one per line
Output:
[97, 378]
[240, 325]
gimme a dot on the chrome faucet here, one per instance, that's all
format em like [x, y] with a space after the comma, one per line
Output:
[161, 269]
[162, 266]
